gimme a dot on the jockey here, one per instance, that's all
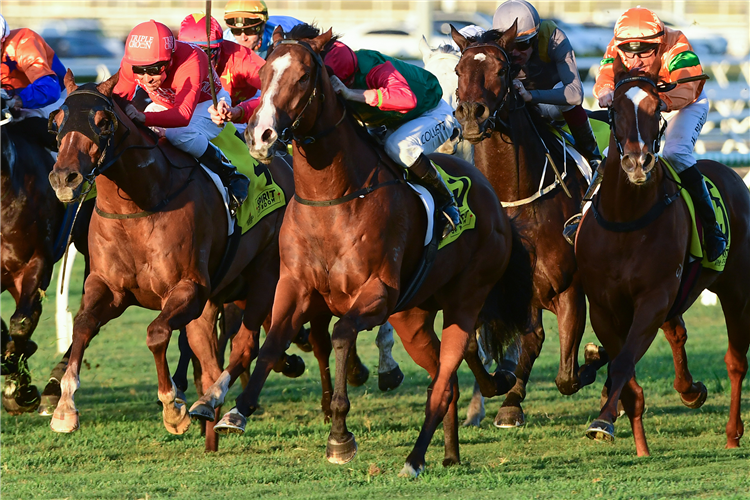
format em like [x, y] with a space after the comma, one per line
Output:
[237, 66]
[405, 100]
[250, 25]
[175, 76]
[643, 42]
[32, 76]
[549, 74]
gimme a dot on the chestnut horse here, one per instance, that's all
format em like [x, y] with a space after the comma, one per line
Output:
[35, 231]
[511, 153]
[354, 235]
[632, 251]
[155, 242]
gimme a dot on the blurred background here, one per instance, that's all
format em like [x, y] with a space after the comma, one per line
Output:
[88, 36]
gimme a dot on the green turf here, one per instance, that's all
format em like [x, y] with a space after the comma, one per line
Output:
[123, 451]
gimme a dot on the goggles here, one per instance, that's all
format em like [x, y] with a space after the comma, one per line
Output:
[249, 30]
[637, 47]
[151, 69]
[521, 46]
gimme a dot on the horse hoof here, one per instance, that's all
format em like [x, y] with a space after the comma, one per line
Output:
[233, 422]
[592, 353]
[388, 381]
[450, 461]
[509, 417]
[358, 376]
[23, 400]
[601, 430]
[180, 427]
[203, 412]
[48, 405]
[302, 340]
[294, 367]
[64, 422]
[341, 452]
[179, 397]
[697, 402]
[504, 381]
[410, 472]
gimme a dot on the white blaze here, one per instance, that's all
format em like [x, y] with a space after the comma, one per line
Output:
[267, 111]
[636, 95]
[480, 57]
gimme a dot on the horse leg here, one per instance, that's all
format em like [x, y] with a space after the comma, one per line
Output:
[51, 392]
[570, 307]
[356, 371]
[476, 412]
[692, 394]
[634, 404]
[184, 304]
[390, 375]
[499, 382]
[100, 306]
[320, 340]
[737, 316]
[511, 414]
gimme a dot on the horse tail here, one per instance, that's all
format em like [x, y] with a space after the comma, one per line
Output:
[507, 311]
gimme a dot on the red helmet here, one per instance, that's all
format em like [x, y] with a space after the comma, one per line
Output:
[193, 30]
[342, 60]
[149, 43]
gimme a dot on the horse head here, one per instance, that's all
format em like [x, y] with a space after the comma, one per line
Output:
[442, 62]
[484, 80]
[85, 126]
[635, 118]
[294, 83]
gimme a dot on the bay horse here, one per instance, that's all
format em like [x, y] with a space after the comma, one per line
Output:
[352, 238]
[155, 242]
[512, 149]
[633, 254]
[35, 227]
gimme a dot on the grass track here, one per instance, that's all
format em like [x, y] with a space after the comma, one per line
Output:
[123, 451]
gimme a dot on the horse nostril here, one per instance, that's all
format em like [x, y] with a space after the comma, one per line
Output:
[269, 135]
[72, 178]
[649, 160]
[481, 113]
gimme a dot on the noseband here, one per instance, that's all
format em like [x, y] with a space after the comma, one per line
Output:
[663, 123]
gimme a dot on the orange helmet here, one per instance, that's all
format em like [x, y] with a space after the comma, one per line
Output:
[150, 42]
[193, 30]
[241, 13]
[638, 29]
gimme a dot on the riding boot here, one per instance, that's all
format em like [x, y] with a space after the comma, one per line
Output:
[429, 177]
[236, 183]
[714, 240]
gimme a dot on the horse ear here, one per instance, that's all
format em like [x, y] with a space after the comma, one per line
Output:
[108, 85]
[425, 49]
[321, 41]
[70, 82]
[508, 39]
[278, 34]
[460, 40]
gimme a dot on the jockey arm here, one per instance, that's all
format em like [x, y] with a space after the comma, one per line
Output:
[39, 93]
[387, 90]
[32, 57]
[571, 92]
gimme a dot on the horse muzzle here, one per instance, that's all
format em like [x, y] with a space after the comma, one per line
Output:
[638, 167]
[473, 117]
[67, 184]
[261, 146]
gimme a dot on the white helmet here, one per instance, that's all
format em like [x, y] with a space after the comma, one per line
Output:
[4, 28]
[508, 12]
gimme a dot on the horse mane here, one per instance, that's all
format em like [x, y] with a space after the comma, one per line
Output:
[145, 131]
[447, 48]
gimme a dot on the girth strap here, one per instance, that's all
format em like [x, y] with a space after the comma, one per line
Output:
[361, 193]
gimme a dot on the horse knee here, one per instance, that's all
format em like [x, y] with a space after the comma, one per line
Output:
[157, 338]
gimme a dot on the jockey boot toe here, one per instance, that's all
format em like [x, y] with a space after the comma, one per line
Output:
[452, 216]
[715, 242]
[238, 187]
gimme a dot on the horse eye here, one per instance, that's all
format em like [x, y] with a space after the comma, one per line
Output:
[305, 78]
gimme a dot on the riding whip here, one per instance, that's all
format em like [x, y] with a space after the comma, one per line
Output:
[208, 50]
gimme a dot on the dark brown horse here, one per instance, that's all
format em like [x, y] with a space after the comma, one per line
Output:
[35, 230]
[633, 254]
[354, 236]
[511, 150]
[155, 242]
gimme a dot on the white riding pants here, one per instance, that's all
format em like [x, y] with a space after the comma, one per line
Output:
[682, 131]
[421, 135]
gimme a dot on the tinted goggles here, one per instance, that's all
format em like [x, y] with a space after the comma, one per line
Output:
[521, 46]
[249, 30]
[152, 69]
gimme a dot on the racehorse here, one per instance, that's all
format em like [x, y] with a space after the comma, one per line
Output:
[35, 229]
[155, 243]
[633, 256]
[354, 236]
[515, 150]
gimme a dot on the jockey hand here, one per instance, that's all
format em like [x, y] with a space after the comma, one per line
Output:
[605, 100]
[522, 90]
[225, 113]
[14, 103]
[159, 131]
[346, 92]
[134, 114]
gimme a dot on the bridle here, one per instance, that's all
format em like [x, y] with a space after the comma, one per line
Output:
[656, 145]
[287, 135]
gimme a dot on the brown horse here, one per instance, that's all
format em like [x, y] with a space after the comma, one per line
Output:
[35, 230]
[155, 243]
[511, 150]
[354, 236]
[633, 254]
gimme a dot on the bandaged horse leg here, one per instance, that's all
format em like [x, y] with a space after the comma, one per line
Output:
[390, 375]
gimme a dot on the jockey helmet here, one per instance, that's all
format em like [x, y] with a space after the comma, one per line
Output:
[193, 30]
[342, 61]
[638, 30]
[4, 27]
[518, 11]
[241, 13]
[149, 43]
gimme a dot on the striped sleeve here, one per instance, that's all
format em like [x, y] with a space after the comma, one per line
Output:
[605, 80]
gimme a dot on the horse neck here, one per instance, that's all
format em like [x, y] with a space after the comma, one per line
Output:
[513, 168]
[138, 180]
[334, 164]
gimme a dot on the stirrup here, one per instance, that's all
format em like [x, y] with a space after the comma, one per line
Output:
[571, 228]
[451, 223]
